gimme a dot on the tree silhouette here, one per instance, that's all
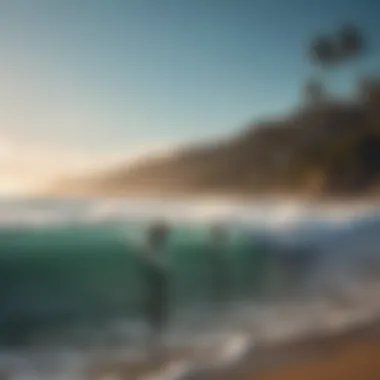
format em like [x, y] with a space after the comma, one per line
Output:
[324, 54]
[324, 51]
[352, 44]
[314, 92]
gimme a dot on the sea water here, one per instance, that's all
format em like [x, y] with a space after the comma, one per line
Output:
[72, 285]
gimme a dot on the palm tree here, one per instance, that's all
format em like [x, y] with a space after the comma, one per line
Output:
[314, 92]
[324, 53]
[352, 44]
[351, 41]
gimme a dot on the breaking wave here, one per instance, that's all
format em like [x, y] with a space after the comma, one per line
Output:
[71, 284]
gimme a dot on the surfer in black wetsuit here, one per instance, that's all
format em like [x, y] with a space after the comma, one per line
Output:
[156, 277]
[221, 280]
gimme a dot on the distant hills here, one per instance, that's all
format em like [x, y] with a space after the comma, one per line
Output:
[329, 148]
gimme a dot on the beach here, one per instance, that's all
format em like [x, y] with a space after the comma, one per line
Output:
[350, 355]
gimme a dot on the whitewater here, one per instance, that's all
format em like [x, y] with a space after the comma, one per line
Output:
[71, 287]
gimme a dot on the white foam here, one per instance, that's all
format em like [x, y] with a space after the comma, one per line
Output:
[342, 267]
[234, 350]
[173, 371]
[272, 214]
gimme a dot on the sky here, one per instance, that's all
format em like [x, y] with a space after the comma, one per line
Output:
[84, 82]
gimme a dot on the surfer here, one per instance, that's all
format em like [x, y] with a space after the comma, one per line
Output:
[156, 277]
[219, 266]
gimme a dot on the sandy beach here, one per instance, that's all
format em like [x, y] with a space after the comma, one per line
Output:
[352, 355]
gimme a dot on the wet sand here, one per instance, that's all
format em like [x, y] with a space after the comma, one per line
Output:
[353, 355]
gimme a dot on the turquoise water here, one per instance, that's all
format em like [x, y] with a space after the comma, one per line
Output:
[57, 277]
[72, 283]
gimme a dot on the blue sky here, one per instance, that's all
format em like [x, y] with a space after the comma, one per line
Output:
[101, 76]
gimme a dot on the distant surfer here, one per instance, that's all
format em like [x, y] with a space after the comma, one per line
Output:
[221, 283]
[155, 268]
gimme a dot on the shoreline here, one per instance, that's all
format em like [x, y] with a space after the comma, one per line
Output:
[316, 357]
[350, 356]
[305, 352]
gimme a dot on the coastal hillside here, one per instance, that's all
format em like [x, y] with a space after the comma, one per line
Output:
[330, 147]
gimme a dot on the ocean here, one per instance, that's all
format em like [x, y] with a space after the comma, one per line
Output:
[72, 284]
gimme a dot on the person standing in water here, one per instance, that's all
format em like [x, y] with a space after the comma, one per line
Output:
[220, 273]
[156, 299]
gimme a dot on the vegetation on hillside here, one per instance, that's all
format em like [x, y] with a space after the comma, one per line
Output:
[328, 147]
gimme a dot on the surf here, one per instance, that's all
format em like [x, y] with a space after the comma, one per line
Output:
[70, 279]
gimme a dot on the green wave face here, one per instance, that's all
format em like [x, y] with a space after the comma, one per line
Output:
[51, 277]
